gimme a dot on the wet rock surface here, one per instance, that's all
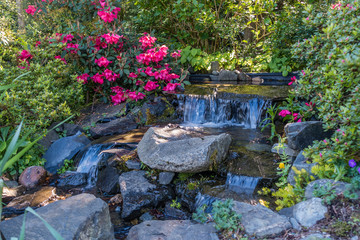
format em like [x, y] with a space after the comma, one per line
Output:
[172, 229]
[138, 193]
[72, 179]
[90, 219]
[176, 150]
[64, 148]
[115, 126]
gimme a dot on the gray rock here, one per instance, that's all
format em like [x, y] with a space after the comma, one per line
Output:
[316, 236]
[80, 217]
[257, 80]
[299, 163]
[172, 230]
[214, 78]
[72, 179]
[49, 139]
[178, 150]
[116, 126]
[302, 134]
[307, 213]
[155, 108]
[286, 149]
[138, 193]
[339, 187]
[288, 212]
[259, 220]
[215, 73]
[227, 75]
[64, 148]
[258, 147]
[131, 164]
[174, 213]
[215, 66]
[108, 179]
[295, 225]
[166, 177]
[243, 77]
[146, 217]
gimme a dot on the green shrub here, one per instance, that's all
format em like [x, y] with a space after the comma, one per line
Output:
[47, 94]
[329, 86]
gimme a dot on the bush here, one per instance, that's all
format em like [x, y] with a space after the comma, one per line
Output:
[328, 89]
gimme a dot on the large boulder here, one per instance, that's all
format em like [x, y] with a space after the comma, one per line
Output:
[138, 193]
[302, 134]
[307, 213]
[327, 184]
[179, 150]
[72, 179]
[171, 230]
[64, 148]
[80, 217]
[116, 126]
[260, 221]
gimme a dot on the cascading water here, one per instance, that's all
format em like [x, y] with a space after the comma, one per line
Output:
[89, 161]
[212, 110]
[241, 184]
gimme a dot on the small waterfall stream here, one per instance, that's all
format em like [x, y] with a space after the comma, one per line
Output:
[89, 161]
[241, 184]
[214, 111]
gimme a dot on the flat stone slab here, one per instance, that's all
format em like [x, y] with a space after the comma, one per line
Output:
[179, 150]
[261, 221]
[172, 230]
[80, 217]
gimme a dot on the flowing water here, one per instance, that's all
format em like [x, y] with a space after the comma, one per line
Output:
[89, 161]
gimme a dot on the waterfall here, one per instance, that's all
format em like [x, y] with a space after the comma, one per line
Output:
[241, 184]
[242, 110]
[89, 161]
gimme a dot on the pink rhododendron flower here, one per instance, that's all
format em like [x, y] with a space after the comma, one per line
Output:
[102, 62]
[135, 96]
[149, 72]
[147, 41]
[176, 54]
[83, 78]
[296, 117]
[284, 113]
[67, 38]
[98, 78]
[311, 104]
[293, 79]
[25, 55]
[118, 98]
[111, 38]
[171, 87]
[37, 43]
[139, 82]
[110, 75]
[133, 75]
[150, 86]
[62, 59]
[107, 16]
[31, 10]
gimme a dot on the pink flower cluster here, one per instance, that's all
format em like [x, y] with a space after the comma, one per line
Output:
[102, 62]
[152, 55]
[31, 10]
[150, 86]
[296, 116]
[147, 41]
[107, 15]
[176, 54]
[62, 59]
[293, 80]
[83, 78]
[24, 56]
[170, 87]
[111, 38]
[121, 95]
[99, 77]
[338, 6]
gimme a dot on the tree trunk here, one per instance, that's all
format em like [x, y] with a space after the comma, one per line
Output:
[20, 13]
